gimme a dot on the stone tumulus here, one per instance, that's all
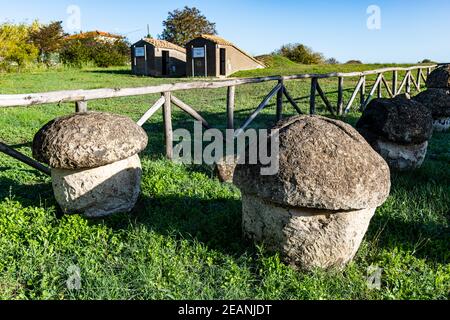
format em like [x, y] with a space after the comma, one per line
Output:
[399, 130]
[437, 97]
[317, 208]
[94, 162]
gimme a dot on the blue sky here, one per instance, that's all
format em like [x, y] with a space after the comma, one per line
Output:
[410, 30]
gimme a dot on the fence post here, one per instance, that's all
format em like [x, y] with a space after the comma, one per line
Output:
[379, 89]
[280, 100]
[312, 98]
[419, 80]
[395, 82]
[362, 94]
[340, 101]
[81, 106]
[168, 133]
[230, 106]
[408, 83]
[23, 158]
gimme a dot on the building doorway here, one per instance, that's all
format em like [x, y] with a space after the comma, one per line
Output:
[165, 63]
[223, 62]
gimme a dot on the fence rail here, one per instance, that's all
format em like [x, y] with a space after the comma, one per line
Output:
[81, 98]
[16, 100]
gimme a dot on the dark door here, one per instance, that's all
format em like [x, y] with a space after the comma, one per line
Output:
[140, 62]
[165, 63]
[199, 62]
[223, 62]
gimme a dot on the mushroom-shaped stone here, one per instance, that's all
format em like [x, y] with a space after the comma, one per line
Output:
[94, 162]
[316, 209]
[439, 78]
[398, 129]
[438, 101]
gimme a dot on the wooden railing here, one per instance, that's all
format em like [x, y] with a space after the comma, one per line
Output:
[81, 98]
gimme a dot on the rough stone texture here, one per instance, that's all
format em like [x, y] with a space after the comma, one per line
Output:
[306, 238]
[324, 164]
[225, 169]
[397, 120]
[441, 124]
[437, 101]
[88, 140]
[99, 192]
[439, 78]
[402, 157]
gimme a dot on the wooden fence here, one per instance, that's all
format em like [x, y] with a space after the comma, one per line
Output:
[412, 79]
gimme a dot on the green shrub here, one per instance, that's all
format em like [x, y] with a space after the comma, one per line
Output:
[16, 49]
[79, 52]
[354, 62]
[301, 54]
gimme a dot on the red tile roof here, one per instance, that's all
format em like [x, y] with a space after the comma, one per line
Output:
[164, 44]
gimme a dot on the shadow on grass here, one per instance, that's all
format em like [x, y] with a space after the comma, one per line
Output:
[27, 194]
[111, 71]
[422, 222]
[215, 223]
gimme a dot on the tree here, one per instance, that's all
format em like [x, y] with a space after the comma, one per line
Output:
[48, 39]
[301, 54]
[15, 45]
[332, 61]
[181, 26]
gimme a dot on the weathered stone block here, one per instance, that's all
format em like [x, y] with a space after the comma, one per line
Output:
[101, 191]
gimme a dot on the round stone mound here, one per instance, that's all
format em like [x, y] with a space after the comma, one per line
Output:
[439, 78]
[88, 140]
[437, 101]
[398, 120]
[323, 164]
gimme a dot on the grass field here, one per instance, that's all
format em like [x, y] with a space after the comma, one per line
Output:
[183, 240]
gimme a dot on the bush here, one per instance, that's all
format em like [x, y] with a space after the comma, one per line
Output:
[427, 61]
[354, 62]
[79, 52]
[301, 54]
[16, 49]
[332, 61]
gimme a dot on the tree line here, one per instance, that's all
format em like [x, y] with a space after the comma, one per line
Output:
[23, 46]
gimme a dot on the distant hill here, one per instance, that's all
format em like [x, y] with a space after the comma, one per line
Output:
[276, 61]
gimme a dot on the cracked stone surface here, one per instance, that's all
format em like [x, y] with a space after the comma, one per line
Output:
[436, 100]
[323, 164]
[88, 140]
[397, 120]
[439, 78]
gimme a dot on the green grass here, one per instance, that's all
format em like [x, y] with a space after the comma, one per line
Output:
[183, 240]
